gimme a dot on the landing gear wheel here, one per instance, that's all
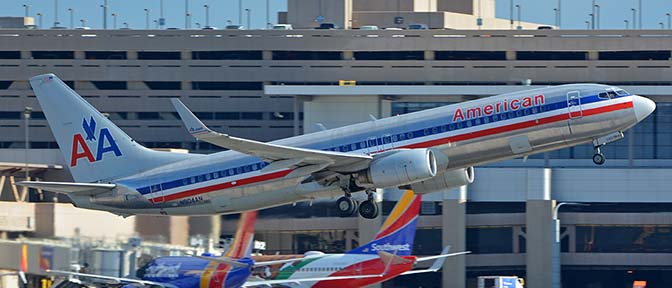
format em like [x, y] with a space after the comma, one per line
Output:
[346, 206]
[369, 209]
[599, 159]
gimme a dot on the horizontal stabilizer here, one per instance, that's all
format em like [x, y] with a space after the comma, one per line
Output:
[223, 260]
[439, 260]
[72, 188]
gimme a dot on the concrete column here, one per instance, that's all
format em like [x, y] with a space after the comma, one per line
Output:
[296, 110]
[207, 226]
[132, 55]
[510, 55]
[26, 55]
[454, 221]
[169, 228]
[368, 228]
[540, 229]
[429, 55]
[185, 55]
[593, 55]
[79, 55]
[267, 55]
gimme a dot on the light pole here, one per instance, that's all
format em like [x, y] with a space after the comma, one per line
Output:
[627, 24]
[162, 21]
[186, 14]
[640, 14]
[114, 20]
[559, 13]
[198, 25]
[83, 22]
[597, 16]
[634, 18]
[587, 24]
[556, 265]
[520, 26]
[240, 12]
[207, 16]
[669, 20]
[26, 118]
[104, 6]
[147, 18]
[126, 25]
[56, 22]
[189, 20]
[592, 16]
[511, 14]
[268, 15]
[72, 18]
[27, 9]
[39, 17]
[156, 24]
[662, 26]
[248, 12]
[555, 12]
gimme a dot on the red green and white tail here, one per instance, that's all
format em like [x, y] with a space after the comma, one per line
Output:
[398, 232]
[243, 242]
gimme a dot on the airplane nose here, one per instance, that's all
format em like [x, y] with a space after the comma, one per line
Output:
[643, 107]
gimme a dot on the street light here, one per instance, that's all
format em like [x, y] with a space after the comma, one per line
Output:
[114, 20]
[207, 16]
[39, 17]
[268, 15]
[627, 24]
[597, 16]
[249, 12]
[510, 13]
[592, 15]
[634, 18]
[56, 22]
[27, 111]
[662, 25]
[83, 22]
[27, 8]
[156, 24]
[559, 13]
[555, 12]
[72, 18]
[186, 14]
[240, 12]
[126, 25]
[189, 20]
[556, 241]
[104, 6]
[587, 25]
[520, 26]
[147, 18]
[669, 20]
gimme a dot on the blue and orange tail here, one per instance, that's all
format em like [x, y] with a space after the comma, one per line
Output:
[243, 242]
[398, 232]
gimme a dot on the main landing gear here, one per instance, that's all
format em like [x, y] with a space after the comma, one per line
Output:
[598, 157]
[367, 209]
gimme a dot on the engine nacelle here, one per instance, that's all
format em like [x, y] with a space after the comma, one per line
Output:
[399, 168]
[446, 180]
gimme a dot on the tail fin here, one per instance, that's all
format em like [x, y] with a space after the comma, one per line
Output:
[398, 231]
[244, 239]
[94, 148]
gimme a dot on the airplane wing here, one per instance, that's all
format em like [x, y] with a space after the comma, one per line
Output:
[270, 152]
[80, 189]
[439, 260]
[109, 280]
[274, 262]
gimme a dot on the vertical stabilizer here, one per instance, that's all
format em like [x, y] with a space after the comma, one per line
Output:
[243, 242]
[398, 231]
[94, 148]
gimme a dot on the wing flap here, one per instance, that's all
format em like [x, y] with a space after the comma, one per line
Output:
[72, 188]
[267, 151]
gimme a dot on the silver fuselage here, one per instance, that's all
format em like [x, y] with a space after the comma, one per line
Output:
[467, 134]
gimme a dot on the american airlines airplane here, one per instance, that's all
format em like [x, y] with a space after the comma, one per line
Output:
[426, 151]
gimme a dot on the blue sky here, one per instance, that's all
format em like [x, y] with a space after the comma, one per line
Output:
[575, 12]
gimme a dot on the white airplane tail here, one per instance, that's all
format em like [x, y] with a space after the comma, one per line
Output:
[93, 147]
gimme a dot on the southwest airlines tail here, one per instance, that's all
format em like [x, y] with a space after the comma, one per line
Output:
[243, 242]
[94, 148]
[398, 232]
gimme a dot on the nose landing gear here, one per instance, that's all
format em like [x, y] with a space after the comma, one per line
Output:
[598, 157]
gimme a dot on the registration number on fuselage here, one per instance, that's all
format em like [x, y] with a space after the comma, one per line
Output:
[190, 201]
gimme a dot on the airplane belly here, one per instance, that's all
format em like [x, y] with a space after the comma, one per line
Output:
[257, 196]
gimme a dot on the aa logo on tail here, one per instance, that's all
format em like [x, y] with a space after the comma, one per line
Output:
[104, 143]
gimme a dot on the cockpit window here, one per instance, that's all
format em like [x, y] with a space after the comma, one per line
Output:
[621, 92]
[603, 95]
[612, 94]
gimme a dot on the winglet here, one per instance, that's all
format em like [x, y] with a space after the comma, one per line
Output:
[193, 124]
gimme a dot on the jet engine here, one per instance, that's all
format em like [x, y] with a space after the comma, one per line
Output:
[446, 180]
[401, 167]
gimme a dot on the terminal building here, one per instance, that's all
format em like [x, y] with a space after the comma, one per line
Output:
[615, 226]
